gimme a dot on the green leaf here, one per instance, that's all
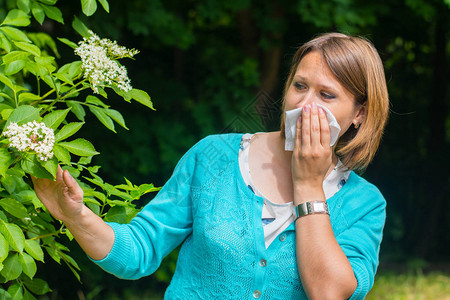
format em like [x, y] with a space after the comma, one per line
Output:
[4, 295]
[4, 248]
[33, 248]
[94, 100]
[28, 296]
[34, 168]
[16, 17]
[13, 234]
[68, 130]
[15, 291]
[103, 117]
[141, 97]
[68, 43]
[105, 5]
[47, 63]
[80, 147]
[53, 13]
[38, 12]
[33, 49]
[12, 267]
[15, 34]
[77, 109]
[80, 28]
[51, 165]
[23, 97]
[89, 7]
[9, 183]
[5, 161]
[7, 81]
[28, 265]
[23, 114]
[14, 67]
[49, 2]
[116, 116]
[74, 69]
[92, 206]
[116, 214]
[147, 188]
[63, 78]
[24, 5]
[14, 56]
[5, 43]
[14, 207]
[61, 154]
[53, 254]
[55, 118]
[29, 196]
[37, 286]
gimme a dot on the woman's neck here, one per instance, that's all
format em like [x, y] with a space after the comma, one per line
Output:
[275, 143]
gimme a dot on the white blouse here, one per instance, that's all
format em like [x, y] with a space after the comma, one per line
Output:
[276, 217]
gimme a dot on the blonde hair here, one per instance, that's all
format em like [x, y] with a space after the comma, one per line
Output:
[355, 63]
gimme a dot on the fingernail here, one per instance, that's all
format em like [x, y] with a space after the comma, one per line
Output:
[306, 108]
[321, 111]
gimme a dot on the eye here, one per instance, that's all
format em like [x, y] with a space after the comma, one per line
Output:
[299, 85]
[327, 96]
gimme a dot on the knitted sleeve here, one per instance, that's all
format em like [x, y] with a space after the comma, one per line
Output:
[365, 214]
[158, 228]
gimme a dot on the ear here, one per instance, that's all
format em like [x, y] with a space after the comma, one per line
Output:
[360, 115]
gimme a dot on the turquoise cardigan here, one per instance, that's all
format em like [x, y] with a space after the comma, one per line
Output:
[207, 205]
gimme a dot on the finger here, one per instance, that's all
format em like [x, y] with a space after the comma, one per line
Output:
[59, 174]
[325, 137]
[74, 188]
[315, 126]
[306, 123]
[298, 133]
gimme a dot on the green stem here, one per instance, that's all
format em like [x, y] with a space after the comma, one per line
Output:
[45, 235]
[38, 86]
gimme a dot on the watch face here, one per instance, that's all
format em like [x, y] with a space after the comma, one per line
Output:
[313, 207]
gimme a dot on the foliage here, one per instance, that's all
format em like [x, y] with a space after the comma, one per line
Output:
[35, 91]
[410, 285]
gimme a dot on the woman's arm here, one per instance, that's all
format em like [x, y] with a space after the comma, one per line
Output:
[324, 269]
[64, 200]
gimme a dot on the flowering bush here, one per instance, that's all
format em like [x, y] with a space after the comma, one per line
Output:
[36, 99]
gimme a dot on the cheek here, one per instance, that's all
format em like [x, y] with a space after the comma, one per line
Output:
[344, 119]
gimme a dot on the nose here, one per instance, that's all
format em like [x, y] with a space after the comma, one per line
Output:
[308, 98]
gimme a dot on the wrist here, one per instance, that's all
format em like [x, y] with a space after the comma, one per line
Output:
[305, 194]
[79, 218]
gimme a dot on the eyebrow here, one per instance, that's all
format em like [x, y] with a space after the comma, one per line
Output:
[324, 86]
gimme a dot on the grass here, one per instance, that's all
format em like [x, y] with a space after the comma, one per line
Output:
[410, 286]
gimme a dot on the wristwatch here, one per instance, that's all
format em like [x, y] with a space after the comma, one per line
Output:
[310, 208]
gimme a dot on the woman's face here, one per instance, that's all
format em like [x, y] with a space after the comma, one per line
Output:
[314, 82]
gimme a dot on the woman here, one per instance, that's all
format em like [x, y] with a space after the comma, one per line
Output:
[257, 221]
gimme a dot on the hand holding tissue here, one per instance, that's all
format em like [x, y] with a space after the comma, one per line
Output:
[291, 125]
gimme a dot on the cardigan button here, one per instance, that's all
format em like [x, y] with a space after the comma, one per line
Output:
[256, 294]
[283, 237]
[263, 262]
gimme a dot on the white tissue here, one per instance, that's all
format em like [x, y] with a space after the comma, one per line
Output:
[291, 125]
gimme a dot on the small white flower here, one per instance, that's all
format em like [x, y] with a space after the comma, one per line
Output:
[99, 62]
[32, 136]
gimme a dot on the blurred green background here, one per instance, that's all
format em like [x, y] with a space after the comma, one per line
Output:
[218, 66]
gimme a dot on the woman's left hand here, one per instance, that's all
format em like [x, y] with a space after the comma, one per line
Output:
[312, 156]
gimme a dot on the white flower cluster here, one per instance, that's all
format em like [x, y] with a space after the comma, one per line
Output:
[32, 136]
[99, 62]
